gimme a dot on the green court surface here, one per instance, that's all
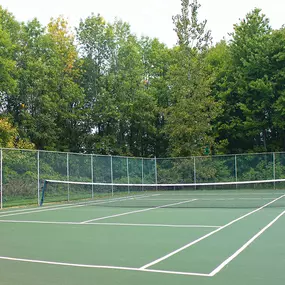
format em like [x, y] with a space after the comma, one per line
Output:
[163, 238]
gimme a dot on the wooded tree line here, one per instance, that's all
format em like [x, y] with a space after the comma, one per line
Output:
[101, 89]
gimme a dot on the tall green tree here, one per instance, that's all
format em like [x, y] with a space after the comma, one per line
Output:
[156, 59]
[218, 64]
[8, 82]
[45, 107]
[69, 96]
[247, 88]
[95, 38]
[192, 107]
[9, 31]
[276, 54]
[120, 108]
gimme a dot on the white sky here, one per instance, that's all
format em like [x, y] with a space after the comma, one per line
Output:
[151, 18]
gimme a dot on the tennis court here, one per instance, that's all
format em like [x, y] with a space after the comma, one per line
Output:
[152, 237]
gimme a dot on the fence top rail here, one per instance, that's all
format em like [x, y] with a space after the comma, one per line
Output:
[144, 158]
[77, 153]
[222, 155]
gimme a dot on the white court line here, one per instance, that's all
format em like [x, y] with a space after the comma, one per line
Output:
[96, 202]
[37, 208]
[240, 250]
[217, 193]
[103, 266]
[8, 211]
[108, 224]
[138, 211]
[140, 197]
[206, 236]
[204, 199]
[83, 203]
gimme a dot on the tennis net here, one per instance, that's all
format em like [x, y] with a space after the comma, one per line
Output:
[245, 194]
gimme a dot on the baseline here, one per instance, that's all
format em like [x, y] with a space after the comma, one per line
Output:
[102, 266]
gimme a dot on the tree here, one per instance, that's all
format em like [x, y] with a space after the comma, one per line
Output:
[121, 109]
[66, 83]
[247, 88]
[156, 58]
[48, 102]
[9, 31]
[8, 83]
[276, 45]
[9, 136]
[192, 107]
[95, 38]
[218, 65]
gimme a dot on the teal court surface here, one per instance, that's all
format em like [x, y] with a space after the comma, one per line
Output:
[163, 238]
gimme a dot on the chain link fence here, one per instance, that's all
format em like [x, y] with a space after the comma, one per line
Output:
[22, 173]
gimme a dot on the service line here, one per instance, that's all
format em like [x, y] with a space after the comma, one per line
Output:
[138, 211]
[107, 224]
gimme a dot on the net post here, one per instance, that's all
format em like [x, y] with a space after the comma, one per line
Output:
[92, 177]
[112, 181]
[43, 193]
[67, 174]
[38, 165]
[155, 172]
[1, 177]
[128, 176]
[274, 168]
[236, 171]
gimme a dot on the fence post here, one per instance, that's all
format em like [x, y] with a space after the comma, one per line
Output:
[195, 174]
[274, 168]
[1, 176]
[92, 176]
[128, 176]
[236, 170]
[155, 172]
[142, 170]
[67, 174]
[39, 185]
[142, 174]
[111, 161]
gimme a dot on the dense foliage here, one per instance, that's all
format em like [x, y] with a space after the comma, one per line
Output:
[101, 89]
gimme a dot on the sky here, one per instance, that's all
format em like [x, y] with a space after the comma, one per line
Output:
[151, 18]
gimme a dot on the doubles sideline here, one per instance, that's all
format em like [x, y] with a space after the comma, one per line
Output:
[67, 206]
[241, 249]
